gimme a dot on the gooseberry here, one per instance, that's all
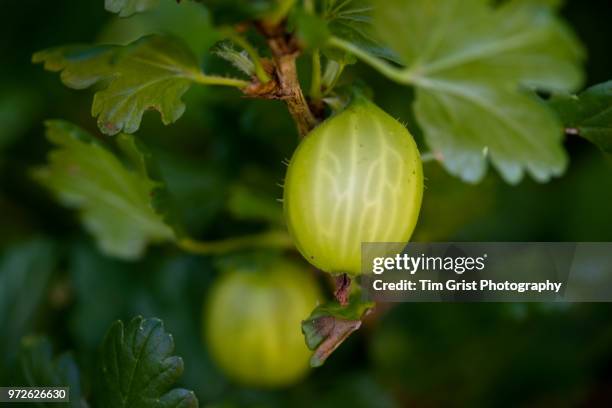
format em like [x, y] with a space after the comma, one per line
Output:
[355, 178]
[252, 322]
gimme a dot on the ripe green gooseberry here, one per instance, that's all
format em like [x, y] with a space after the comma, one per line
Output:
[252, 323]
[355, 178]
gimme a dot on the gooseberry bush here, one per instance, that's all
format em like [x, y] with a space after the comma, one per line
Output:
[486, 83]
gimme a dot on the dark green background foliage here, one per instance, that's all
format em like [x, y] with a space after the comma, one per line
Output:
[54, 281]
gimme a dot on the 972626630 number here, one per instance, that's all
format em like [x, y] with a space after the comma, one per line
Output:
[34, 394]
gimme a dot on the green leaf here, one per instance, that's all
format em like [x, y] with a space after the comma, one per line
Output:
[186, 20]
[126, 8]
[25, 270]
[18, 110]
[471, 62]
[246, 204]
[109, 281]
[234, 11]
[138, 368]
[589, 114]
[41, 369]
[311, 30]
[330, 324]
[115, 194]
[196, 182]
[151, 73]
[357, 388]
[351, 20]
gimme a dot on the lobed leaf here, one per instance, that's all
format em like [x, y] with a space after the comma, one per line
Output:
[471, 62]
[126, 8]
[151, 73]
[138, 368]
[115, 194]
[589, 114]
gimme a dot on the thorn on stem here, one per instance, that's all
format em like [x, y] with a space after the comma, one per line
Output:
[572, 131]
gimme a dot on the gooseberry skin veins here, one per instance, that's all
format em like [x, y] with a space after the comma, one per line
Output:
[251, 324]
[356, 178]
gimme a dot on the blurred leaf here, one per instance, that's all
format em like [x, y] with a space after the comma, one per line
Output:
[24, 273]
[468, 60]
[97, 280]
[151, 73]
[174, 290]
[588, 113]
[41, 369]
[330, 324]
[351, 20]
[426, 347]
[17, 109]
[187, 20]
[138, 369]
[311, 30]
[234, 11]
[197, 186]
[126, 8]
[355, 390]
[438, 221]
[116, 200]
[245, 204]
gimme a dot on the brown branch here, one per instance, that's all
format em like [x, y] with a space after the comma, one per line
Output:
[285, 84]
